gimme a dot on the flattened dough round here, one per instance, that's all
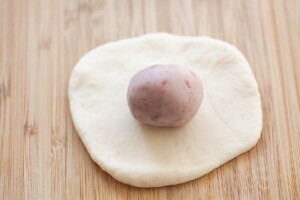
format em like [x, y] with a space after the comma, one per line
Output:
[228, 123]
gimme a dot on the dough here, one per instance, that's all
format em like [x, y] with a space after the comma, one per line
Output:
[228, 123]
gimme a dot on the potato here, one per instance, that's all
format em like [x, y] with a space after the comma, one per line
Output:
[165, 95]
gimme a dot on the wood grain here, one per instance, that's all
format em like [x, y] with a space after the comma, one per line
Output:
[41, 155]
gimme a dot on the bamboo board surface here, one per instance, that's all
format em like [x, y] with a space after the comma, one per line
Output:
[41, 155]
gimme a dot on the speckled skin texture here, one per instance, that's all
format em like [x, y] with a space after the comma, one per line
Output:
[165, 95]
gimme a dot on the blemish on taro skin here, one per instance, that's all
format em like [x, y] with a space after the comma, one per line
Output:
[193, 73]
[188, 84]
[164, 82]
[156, 116]
[145, 102]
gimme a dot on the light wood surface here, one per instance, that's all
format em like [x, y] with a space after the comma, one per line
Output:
[41, 155]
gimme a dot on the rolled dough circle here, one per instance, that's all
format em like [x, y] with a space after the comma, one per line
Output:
[228, 123]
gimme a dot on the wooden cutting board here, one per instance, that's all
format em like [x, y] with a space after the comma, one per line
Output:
[41, 155]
